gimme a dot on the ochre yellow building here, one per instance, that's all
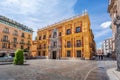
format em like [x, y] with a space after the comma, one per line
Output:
[71, 38]
[13, 35]
[34, 49]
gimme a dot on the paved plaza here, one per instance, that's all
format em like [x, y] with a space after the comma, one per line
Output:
[48, 69]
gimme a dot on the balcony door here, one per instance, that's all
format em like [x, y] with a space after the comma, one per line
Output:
[78, 53]
[54, 55]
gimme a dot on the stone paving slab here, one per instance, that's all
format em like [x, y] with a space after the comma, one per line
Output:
[43, 69]
[113, 74]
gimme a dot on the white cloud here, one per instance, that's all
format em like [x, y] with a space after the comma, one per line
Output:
[102, 33]
[37, 13]
[106, 24]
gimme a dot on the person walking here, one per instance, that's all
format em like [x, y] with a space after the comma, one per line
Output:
[102, 56]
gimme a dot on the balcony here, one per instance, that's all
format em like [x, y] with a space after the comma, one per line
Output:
[68, 46]
[4, 40]
[52, 47]
[28, 44]
[14, 42]
[7, 32]
[22, 43]
[78, 45]
[15, 34]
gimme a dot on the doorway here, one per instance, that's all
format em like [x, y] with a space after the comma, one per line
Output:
[79, 53]
[54, 55]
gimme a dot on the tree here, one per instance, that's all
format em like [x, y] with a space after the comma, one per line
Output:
[19, 57]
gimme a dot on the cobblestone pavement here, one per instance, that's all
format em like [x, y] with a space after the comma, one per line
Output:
[44, 69]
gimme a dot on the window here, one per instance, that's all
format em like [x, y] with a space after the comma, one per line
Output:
[14, 45]
[6, 30]
[68, 32]
[54, 34]
[78, 44]
[78, 29]
[5, 38]
[49, 36]
[39, 47]
[44, 37]
[39, 37]
[28, 48]
[44, 46]
[28, 36]
[15, 33]
[14, 40]
[78, 53]
[4, 45]
[68, 44]
[59, 33]
[68, 53]
[54, 44]
[39, 53]
[22, 47]
[23, 35]
[28, 43]
[43, 53]
[9, 45]
[22, 41]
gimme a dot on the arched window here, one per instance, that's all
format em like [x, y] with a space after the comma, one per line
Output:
[15, 33]
[5, 38]
[6, 30]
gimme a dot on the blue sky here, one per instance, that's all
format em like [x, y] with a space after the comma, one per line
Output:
[40, 13]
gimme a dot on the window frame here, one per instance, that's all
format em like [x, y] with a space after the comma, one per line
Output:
[68, 31]
[77, 31]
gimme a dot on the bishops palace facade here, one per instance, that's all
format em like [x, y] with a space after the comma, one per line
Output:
[70, 38]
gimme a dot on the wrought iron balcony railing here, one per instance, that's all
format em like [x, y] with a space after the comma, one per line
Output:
[15, 34]
[28, 44]
[7, 32]
[15, 42]
[4, 40]
[22, 43]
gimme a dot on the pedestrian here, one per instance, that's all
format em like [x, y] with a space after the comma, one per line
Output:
[102, 56]
[99, 57]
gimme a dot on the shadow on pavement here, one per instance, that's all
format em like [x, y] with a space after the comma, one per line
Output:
[98, 74]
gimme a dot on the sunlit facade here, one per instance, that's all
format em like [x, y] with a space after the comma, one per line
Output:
[14, 35]
[71, 38]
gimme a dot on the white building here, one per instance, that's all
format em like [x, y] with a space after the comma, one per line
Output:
[107, 46]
